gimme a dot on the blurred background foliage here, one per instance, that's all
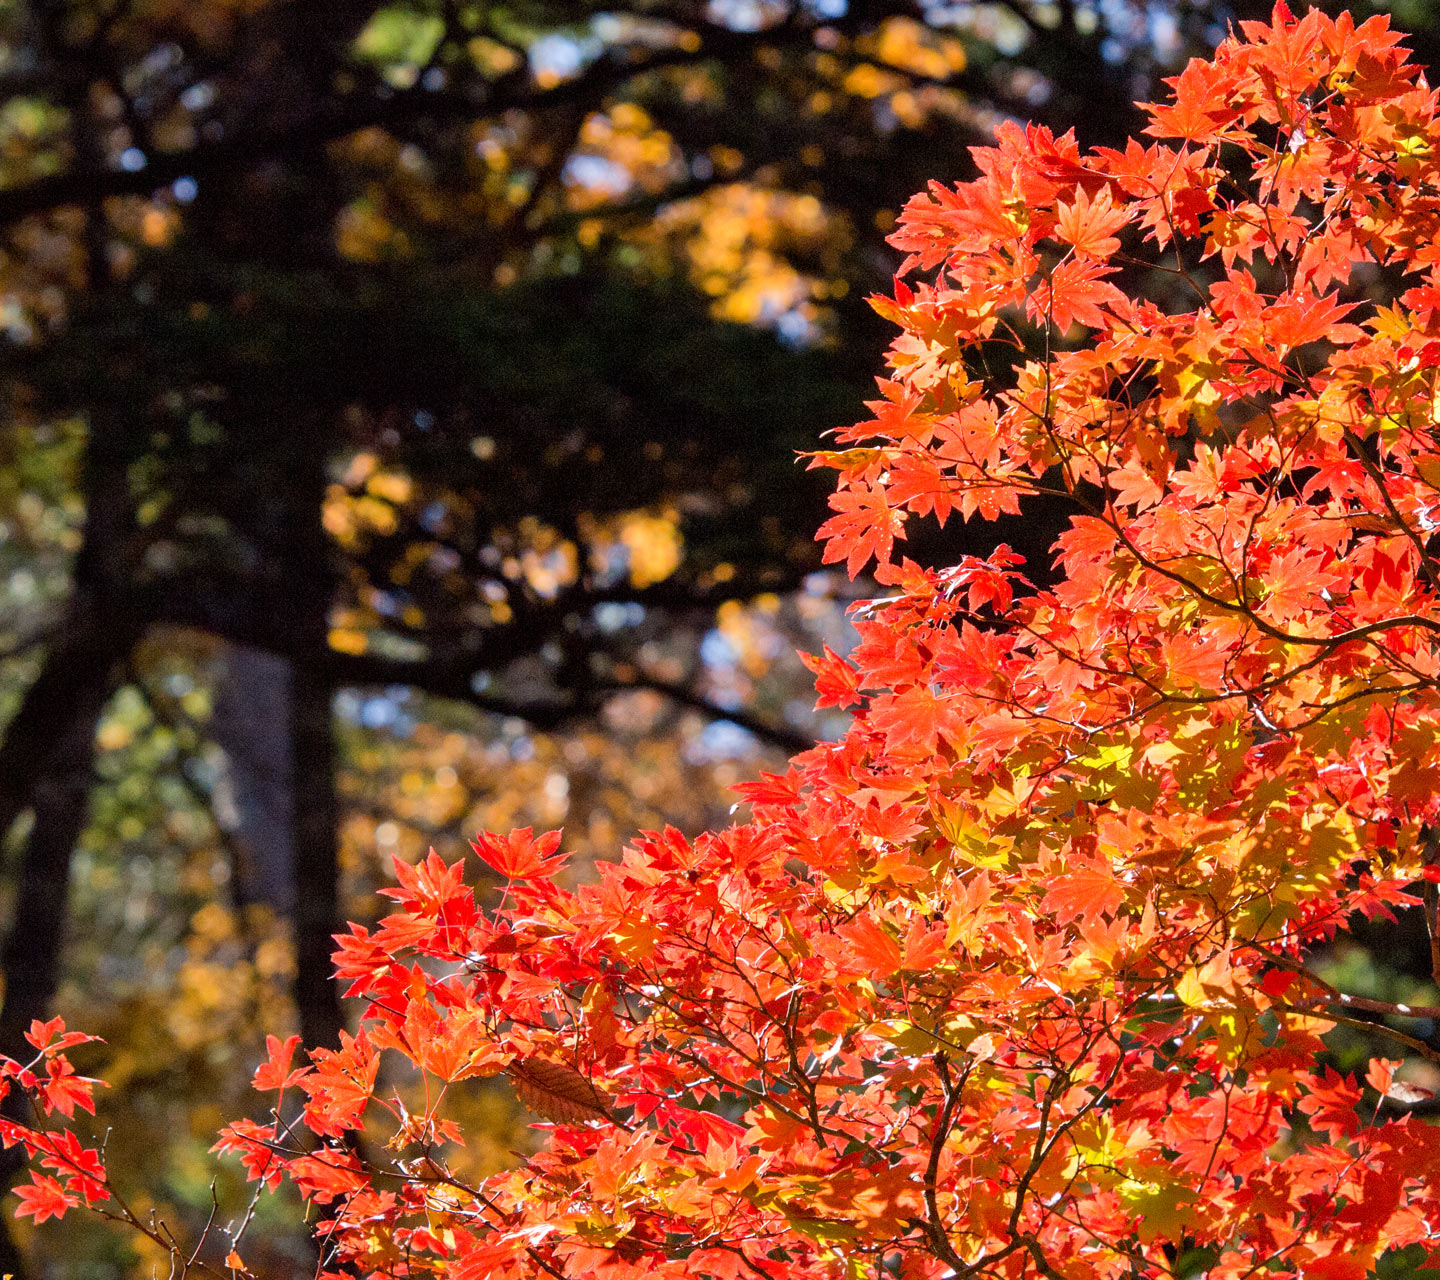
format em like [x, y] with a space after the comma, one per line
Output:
[400, 408]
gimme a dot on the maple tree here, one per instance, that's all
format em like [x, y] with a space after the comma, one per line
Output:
[1015, 978]
[473, 269]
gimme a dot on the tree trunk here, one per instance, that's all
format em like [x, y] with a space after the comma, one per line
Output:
[311, 589]
[252, 796]
[50, 743]
[317, 911]
[276, 798]
[46, 761]
[58, 802]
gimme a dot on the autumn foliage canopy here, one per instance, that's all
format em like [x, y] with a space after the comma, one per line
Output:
[1012, 980]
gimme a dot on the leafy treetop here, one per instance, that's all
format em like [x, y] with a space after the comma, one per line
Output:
[1011, 980]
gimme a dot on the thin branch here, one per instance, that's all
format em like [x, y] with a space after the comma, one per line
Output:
[1379, 1028]
[1377, 475]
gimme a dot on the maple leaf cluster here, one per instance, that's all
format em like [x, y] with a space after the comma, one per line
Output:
[77, 1174]
[1012, 979]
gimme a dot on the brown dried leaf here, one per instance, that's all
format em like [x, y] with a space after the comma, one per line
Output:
[557, 1092]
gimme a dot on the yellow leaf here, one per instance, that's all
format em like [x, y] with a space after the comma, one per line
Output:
[1164, 1210]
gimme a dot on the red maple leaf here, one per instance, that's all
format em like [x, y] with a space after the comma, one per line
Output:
[275, 1072]
[521, 855]
[865, 529]
[42, 1198]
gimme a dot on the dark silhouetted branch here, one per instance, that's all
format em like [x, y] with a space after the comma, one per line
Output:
[515, 90]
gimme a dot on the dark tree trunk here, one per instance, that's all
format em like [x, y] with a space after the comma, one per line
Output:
[253, 803]
[45, 759]
[47, 754]
[32, 950]
[312, 754]
[57, 799]
[45, 768]
[302, 45]
[317, 912]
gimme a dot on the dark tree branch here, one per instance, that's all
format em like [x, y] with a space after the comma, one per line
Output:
[233, 615]
[515, 90]
[782, 736]
[87, 184]
[65, 693]
[454, 682]
[41, 633]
